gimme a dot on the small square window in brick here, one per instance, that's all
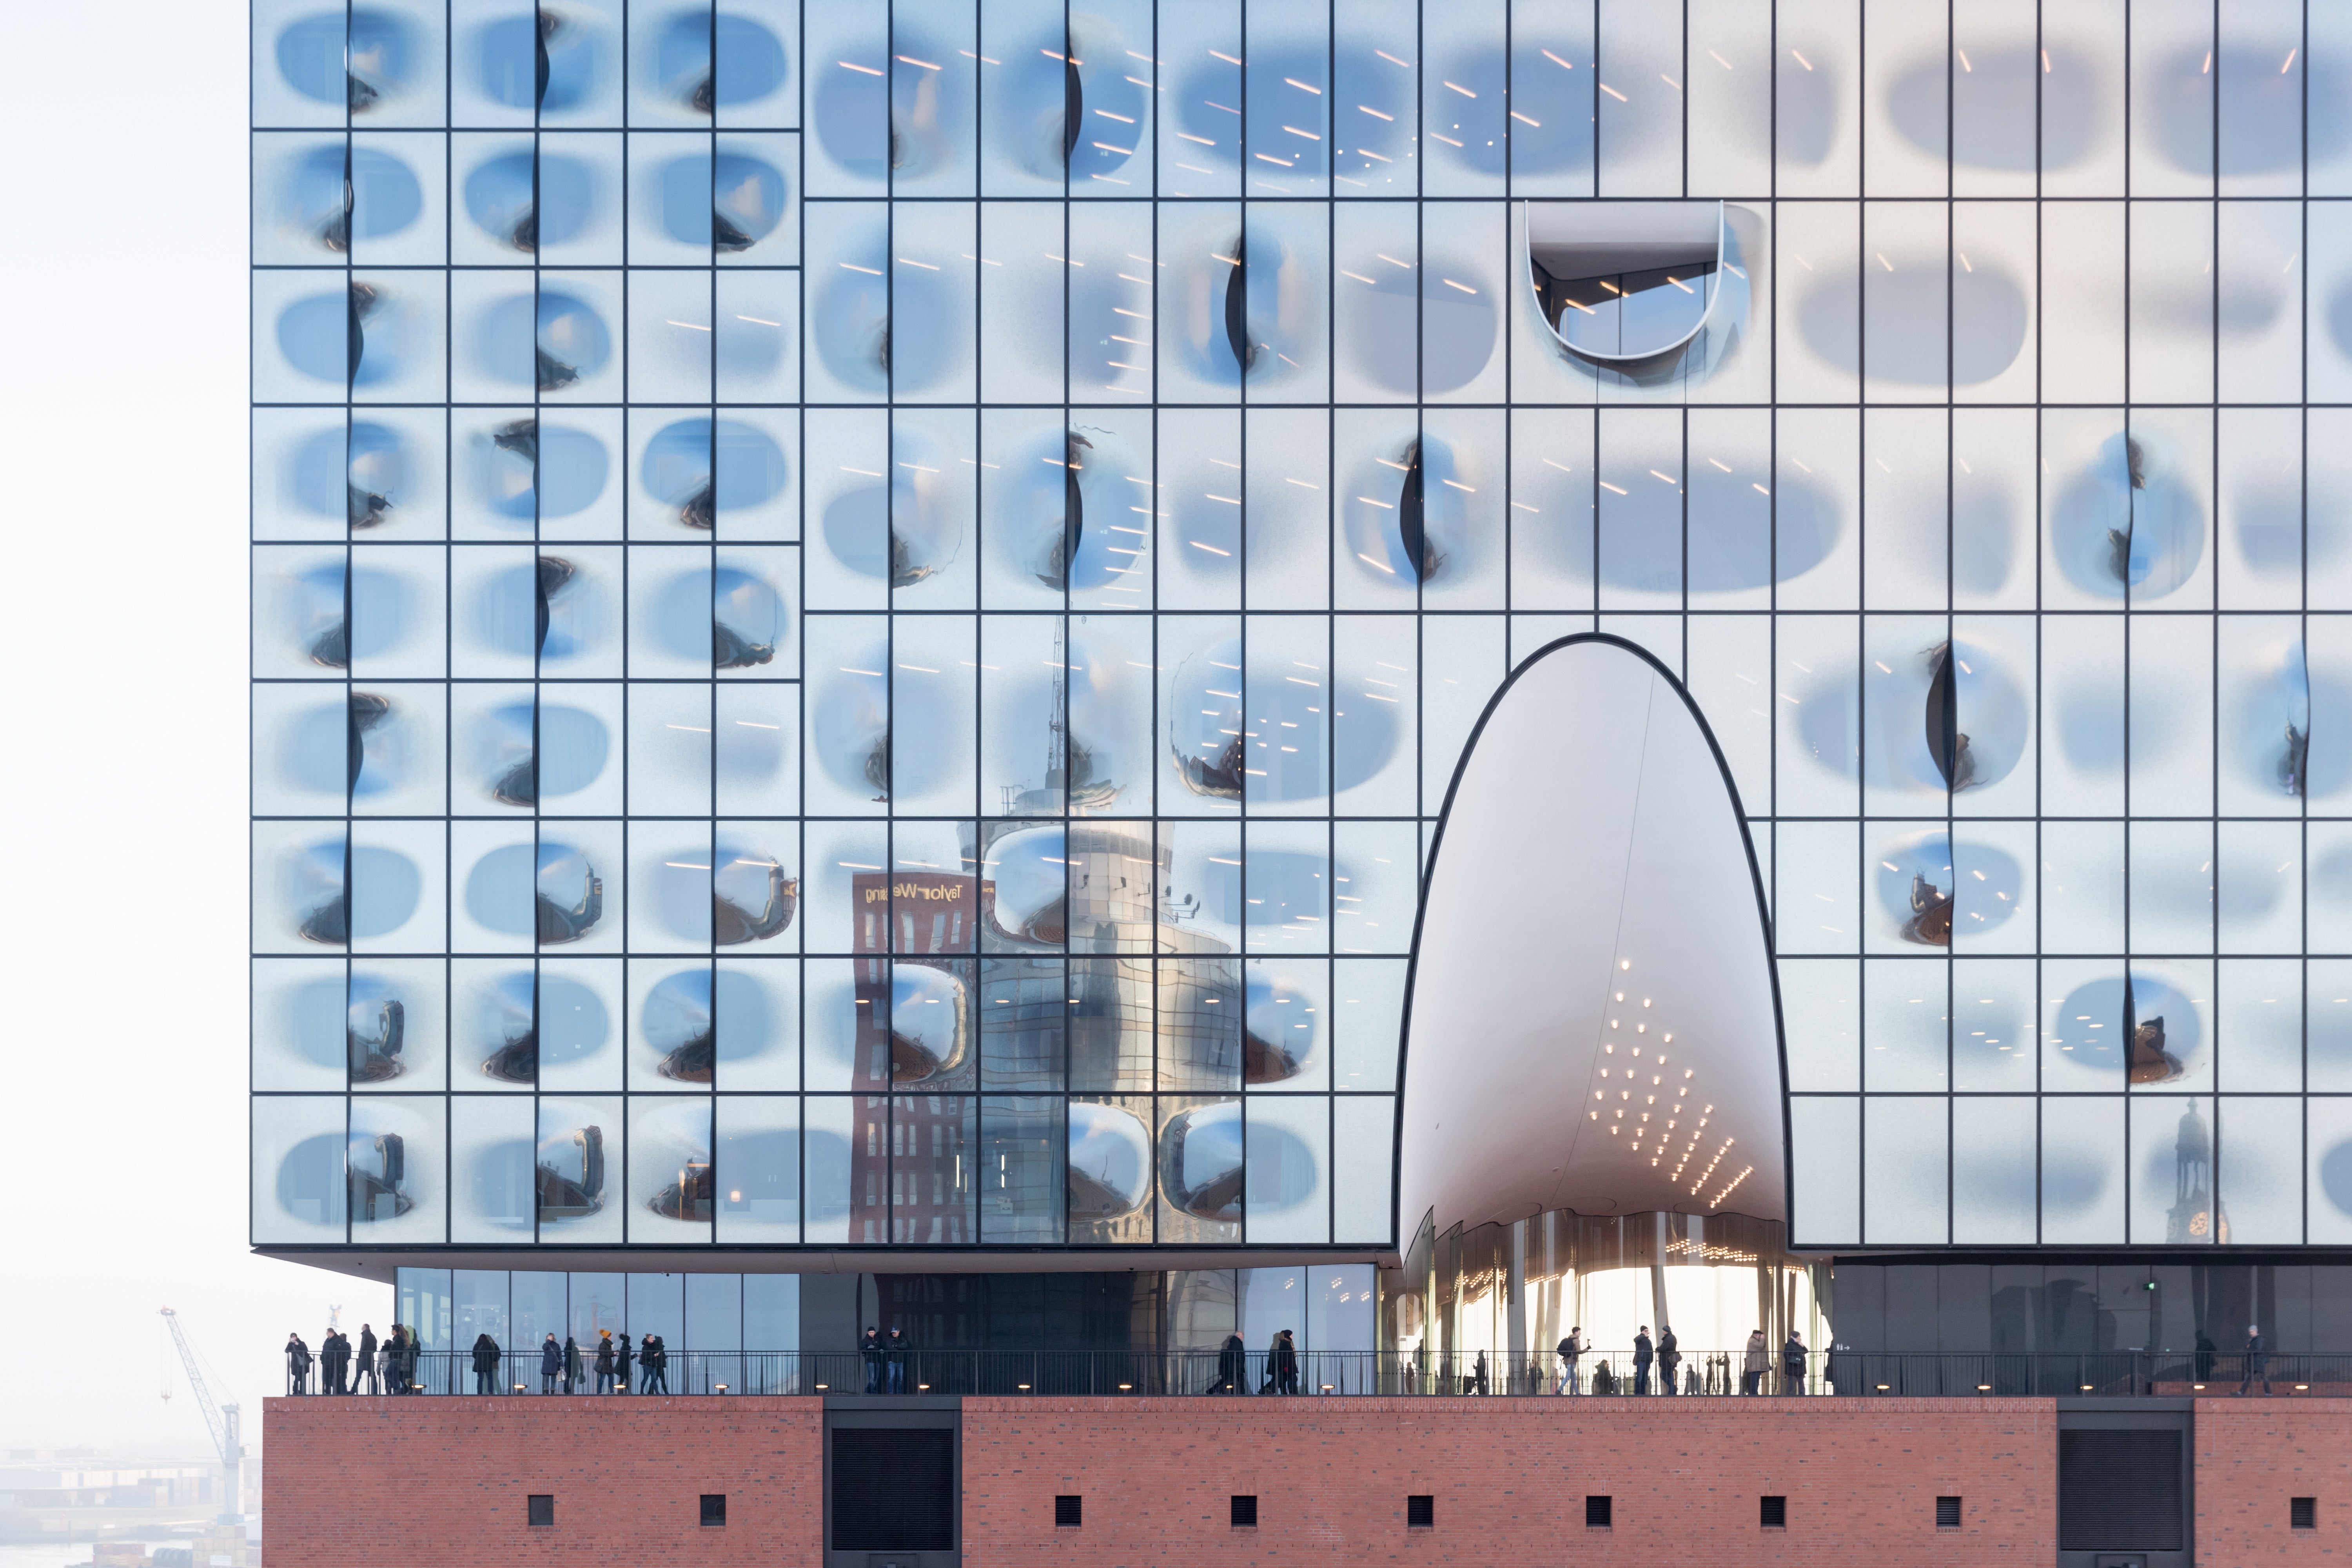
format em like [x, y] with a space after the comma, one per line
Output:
[2303, 1513]
[1245, 1512]
[1948, 1513]
[1420, 1511]
[1596, 1513]
[1066, 1512]
[543, 1508]
[1772, 1512]
[714, 1508]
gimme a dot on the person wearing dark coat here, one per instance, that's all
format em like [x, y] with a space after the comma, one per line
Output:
[1669, 1358]
[605, 1361]
[1285, 1360]
[366, 1365]
[572, 1378]
[875, 1355]
[1645, 1352]
[654, 1358]
[2258, 1361]
[2206, 1351]
[1233, 1366]
[330, 1359]
[621, 1363]
[1603, 1380]
[1478, 1375]
[486, 1365]
[550, 1364]
[298, 1363]
[1792, 1364]
[900, 1350]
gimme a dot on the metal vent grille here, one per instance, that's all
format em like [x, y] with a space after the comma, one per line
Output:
[1772, 1512]
[2119, 1491]
[1421, 1511]
[543, 1508]
[1596, 1513]
[1245, 1512]
[892, 1488]
[714, 1508]
[1066, 1512]
[1948, 1513]
[2303, 1513]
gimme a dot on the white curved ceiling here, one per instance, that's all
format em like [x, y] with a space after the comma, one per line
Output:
[1591, 852]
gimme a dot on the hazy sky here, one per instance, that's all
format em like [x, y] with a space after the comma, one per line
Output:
[122, 715]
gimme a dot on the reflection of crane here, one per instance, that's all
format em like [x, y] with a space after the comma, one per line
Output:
[221, 1419]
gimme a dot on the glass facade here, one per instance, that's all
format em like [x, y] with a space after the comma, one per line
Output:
[779, 530]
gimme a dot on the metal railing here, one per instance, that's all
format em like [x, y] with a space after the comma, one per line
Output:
[1216, 1374]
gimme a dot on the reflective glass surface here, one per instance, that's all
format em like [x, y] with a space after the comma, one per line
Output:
[863, 614]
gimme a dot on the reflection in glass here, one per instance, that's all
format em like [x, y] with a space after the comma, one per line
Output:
[1200, 1161]
[376, 1025]
[571, 1173]
[1110, 1162]
[378, 1165]
[1620, 282]
[931, 1020]
[571, 896]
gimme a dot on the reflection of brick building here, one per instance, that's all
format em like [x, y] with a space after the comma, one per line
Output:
[1140, 1004]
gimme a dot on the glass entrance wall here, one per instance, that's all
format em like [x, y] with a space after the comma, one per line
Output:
[862, 614]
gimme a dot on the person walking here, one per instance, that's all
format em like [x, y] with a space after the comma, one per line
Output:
[1570, 1349]
[486, 1364]
[603, 1361]
[1670, 1356]
[550, 1363]
[894, 1348]
[2258, 1361]
[621, 1362]
[365, 1367]
[2206, 1350]
[654, 1356]
[1643, 1354]
[1758, 1362]
[1792, 1364]
[298, 1363]
[387, 1358]
[1285, 1359]
[572, 1378]
[1476, 1382]
[1233, 1366]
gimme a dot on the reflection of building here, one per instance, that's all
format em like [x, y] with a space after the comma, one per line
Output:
[2194, 1215]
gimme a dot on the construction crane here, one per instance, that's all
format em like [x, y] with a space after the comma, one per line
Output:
[221, 1419]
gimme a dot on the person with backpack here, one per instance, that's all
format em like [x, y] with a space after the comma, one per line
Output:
[1571, 1350]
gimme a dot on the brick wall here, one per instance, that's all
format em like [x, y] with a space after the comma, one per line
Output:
[1509, 1479]
[2252, 1456]
[403, 1482]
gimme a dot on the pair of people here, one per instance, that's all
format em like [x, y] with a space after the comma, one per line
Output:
[1664, 1352]
[335, 1362]
[1282, 1365]
[653, 1360]
[887, 1358]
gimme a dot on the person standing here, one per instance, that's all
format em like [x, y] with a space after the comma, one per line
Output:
[877, 1357]
[1758, 1362]
[603, 1361]
[1670, 1356]
[1233, 1366]
[1792, 1364]
[1570, 1349]
[621, 1362]
[412, 1351]
[366, 1364]
[1643, 1354]
[894, 1348]
[486, 1364]
[655, 1357]
[298, 1363]
[571, 1379]
[550, 1363]
[2258, 1361]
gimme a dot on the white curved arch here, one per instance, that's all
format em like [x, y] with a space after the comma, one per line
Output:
[1623, 235]
[1591, 846]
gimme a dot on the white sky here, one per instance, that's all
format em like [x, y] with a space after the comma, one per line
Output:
[123, 731]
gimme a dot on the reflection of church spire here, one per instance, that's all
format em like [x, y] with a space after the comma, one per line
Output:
[2194, 1215]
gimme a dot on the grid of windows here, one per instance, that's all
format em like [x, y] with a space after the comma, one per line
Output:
[861, 615]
